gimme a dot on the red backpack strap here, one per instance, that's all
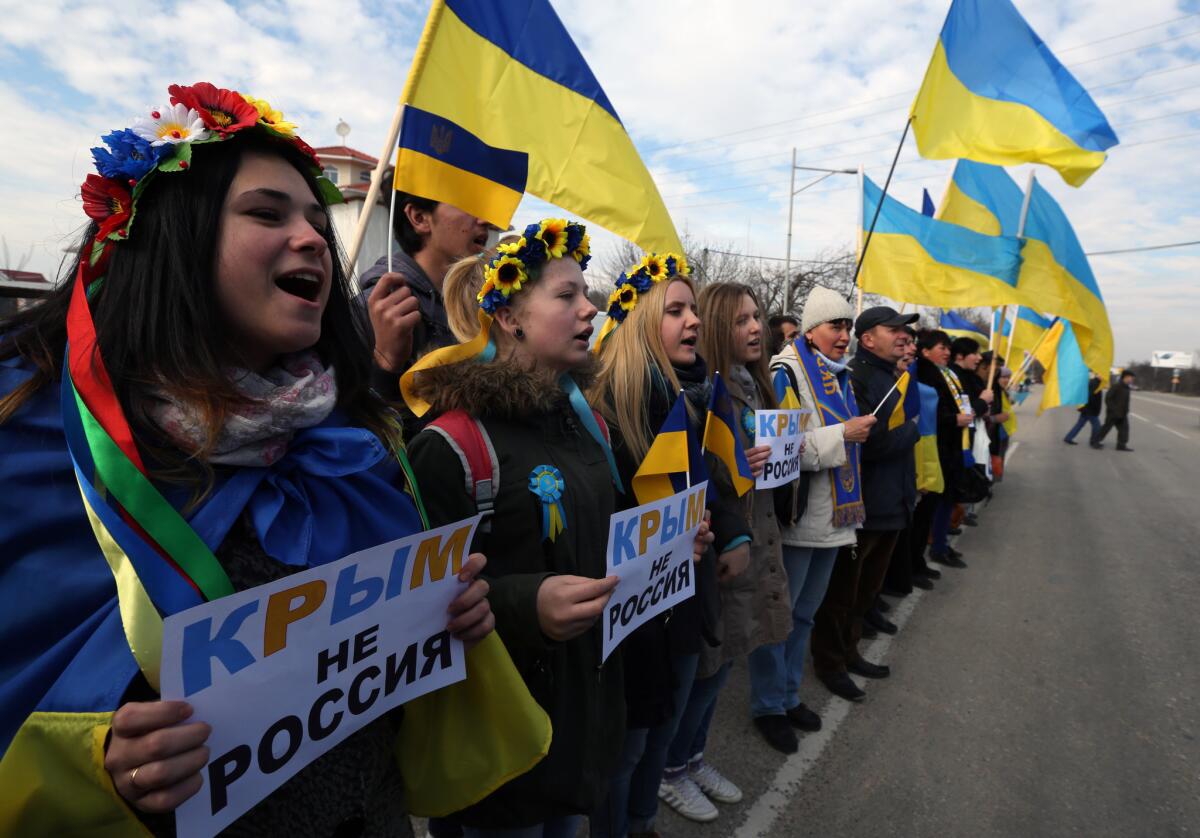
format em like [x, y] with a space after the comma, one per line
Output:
[481, 469]
[603, 426]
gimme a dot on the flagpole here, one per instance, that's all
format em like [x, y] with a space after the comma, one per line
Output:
[787, 271]
[867, 241]
[1020, 234]
[1028, 362]
[364, 217]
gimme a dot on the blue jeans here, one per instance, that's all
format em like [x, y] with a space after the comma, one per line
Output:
[940, 530]
[564, 827]
[1084, 419]
[690, 738]
[632, 800]
[777, 669]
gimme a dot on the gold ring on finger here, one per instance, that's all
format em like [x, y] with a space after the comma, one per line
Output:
[133, 778]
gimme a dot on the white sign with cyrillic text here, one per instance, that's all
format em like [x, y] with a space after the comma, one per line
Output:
[285, 671]
[783, 431]
[650, 549]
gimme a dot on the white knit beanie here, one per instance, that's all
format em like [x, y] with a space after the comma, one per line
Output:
[822, 306]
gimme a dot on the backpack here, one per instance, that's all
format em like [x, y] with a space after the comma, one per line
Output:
[467, 438]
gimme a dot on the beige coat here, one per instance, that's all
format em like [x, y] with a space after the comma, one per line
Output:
[755, 606]
[824, 451]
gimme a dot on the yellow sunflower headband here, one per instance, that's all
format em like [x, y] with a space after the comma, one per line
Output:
[639, 279]
[504, 275]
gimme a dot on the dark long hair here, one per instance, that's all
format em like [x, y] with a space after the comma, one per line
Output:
[158, 324]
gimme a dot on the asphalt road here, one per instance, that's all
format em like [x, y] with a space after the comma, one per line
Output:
[1052, 688]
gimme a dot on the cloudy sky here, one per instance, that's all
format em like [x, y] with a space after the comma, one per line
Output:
[715, 93]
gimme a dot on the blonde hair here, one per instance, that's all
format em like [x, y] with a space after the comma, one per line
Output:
[460, 292]
[719, 306]
[627, 360]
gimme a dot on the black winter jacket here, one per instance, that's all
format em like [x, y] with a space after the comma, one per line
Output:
[530, 424]
[1117, 401]
[949, 434]
[432, 332]
[1092, 408]
[647, 652]
[889, 474]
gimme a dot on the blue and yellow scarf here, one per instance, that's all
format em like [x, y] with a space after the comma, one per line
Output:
[835, 404]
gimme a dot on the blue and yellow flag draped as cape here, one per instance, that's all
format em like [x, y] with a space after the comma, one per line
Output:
[834, 398]
[995, 93]
[929, 467]
[510, 75]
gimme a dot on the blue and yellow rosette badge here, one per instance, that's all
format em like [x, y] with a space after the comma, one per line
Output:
[547, 484]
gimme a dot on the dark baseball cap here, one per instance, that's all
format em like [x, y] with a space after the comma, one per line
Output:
[882, 316]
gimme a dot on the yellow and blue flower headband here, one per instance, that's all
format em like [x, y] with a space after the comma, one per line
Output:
[509, 269]
[639, 279]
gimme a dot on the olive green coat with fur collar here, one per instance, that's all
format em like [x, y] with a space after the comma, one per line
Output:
[531, 424]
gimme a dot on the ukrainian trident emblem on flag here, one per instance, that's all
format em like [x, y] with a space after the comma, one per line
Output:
[546, 483]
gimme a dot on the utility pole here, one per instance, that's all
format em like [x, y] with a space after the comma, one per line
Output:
[792, 193]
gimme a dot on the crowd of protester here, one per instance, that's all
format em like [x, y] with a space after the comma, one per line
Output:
[197, 320]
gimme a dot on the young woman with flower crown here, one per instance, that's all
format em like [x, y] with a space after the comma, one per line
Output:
[644, 365]
[515, 383]
[202, 382]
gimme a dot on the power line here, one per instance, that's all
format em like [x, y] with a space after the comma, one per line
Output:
[829, 261]
[666, 149]
[1130, 32]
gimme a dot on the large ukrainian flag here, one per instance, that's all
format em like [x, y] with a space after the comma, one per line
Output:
[957, 326]
[995, 93]
[983, 198]
[510, 75]
[1066, 375]
[1027, 329]
[1055, 264]
[442, 161]
[917, 259]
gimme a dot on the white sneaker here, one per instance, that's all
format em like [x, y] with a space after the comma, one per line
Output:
[713, 784]
[684, 796]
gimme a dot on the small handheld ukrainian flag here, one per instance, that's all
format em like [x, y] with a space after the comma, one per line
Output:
[1066, 375]
[785, 393]
[674, 461]
[995, 93]
[909, 405]
[721, 438]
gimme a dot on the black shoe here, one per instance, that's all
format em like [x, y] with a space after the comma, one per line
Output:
[952, 553]
[800, 716]
[869, 670]
[881, 604]
[1070, 442]
[930, 573]
[948, 560]
[877, 620]
[1097, 445]
[840, 685]
[777, 730]
[954, 531]
[892, 592]
[869, 632]
[971, 519]
[923, 582]
[1124, 448]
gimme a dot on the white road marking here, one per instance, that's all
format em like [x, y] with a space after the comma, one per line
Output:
[1136, 416]
[1169, 404]
[1012, 449]
[1172, 431]
[767, 809]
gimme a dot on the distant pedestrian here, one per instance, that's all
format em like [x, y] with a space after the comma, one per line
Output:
[1117, 413]
[784, 328]
[1089, 414]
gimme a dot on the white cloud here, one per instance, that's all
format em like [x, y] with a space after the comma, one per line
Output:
[715, 93]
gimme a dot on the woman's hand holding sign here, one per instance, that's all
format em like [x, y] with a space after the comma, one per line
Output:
[153, 760]
[471, 614]
[568, 605]
[757, 458]
[703, 538]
